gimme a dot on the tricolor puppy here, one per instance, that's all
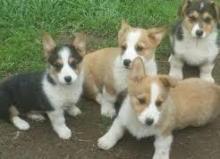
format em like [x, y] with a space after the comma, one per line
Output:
[155, 106]
[106, 70]
[53, 91]
[195, 39]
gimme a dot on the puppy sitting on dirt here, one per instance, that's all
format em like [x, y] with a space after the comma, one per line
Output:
[155, 106]
[53, 91]
[195, 39]
[106, 70]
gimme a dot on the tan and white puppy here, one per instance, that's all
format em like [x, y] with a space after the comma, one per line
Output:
[155, 106]
[106, 70]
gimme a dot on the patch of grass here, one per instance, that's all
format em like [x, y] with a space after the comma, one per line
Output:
[22, 23]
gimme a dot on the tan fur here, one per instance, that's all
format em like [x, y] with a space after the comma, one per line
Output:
[98, 71]
[98, 65]
[191, 102]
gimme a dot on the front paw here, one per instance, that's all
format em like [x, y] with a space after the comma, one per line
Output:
[109, 112]
[64, 132]
[74, 111]
[105, 143]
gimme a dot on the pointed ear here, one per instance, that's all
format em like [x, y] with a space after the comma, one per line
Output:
[157, 34]
[124, 28]
[183, 7]
[137, 71]
[216, 7]
[48, 44]
[80, 43]
[168, 81]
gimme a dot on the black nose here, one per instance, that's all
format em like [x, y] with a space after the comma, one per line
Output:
[149, 121]
[127, 62]
[199, 33]
[68, 79]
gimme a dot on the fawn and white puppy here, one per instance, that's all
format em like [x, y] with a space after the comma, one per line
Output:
[106, 70]
[155, 106]
[53, 91]
[195, 38]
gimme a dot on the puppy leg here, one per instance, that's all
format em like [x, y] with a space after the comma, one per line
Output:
[74, 111]
[58, 123]
[36, 116]
[107, 104]
[176, 67]
[114, 134]
[206, 72]
[16, 120]
[162, 146]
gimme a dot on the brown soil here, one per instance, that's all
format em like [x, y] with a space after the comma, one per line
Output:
[40, 142]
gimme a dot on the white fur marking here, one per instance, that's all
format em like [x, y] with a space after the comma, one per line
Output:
[66, 69]
[151, 111]
[132, 39]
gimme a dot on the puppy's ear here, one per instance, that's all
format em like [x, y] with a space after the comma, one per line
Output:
[124, 28]
[137, 72]
[48, 44]
[80, 43]
[157, 34]
[167, 81]
[183, 7]
[216, 7]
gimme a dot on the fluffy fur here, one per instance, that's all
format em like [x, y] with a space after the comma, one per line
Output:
[195, 38]
[52, 92]
[106, 70]
[155, 106]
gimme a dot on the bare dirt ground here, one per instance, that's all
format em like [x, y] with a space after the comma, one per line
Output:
[40, 142]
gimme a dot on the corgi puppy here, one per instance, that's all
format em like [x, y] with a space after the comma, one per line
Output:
[106, 70]
[53, 91]
[155, 106]
[195, 39]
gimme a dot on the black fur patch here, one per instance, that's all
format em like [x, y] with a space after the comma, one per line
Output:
[50, 79]
[24, 91]
[54, 54]
[177, 30]
[218, 39]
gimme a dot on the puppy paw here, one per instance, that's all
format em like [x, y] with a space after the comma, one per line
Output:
[20, 123]
[74, 111]
[36, 117]
[105, 143]
[64, 132]
[108, 111]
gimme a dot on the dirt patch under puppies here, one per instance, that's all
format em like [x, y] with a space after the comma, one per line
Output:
[41, 142]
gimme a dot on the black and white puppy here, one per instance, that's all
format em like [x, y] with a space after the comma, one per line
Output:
[195, 39]
[52, 92]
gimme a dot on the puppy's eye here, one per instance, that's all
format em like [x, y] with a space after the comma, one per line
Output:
[139, 48]
[123, 47]
[192, 19]
[73, 64]
[207, 19]
[141, 100]
[58, 65]
[158, 103]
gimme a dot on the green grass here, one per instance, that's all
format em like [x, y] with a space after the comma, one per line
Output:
[22, 23]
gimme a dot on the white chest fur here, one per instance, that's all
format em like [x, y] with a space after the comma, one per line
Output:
[120, 73]
[129, 119]
[63, 95]
[197, 51]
